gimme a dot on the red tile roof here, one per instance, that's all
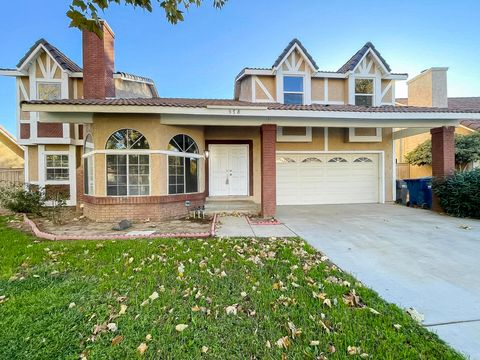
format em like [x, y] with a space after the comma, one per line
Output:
[203, 103]
[459, 103]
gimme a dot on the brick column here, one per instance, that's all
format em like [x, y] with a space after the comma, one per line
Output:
[443, 155]
[269, 171]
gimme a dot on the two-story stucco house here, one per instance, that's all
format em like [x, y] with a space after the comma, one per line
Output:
[292, 134]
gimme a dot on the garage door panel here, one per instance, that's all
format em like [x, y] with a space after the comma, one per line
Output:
[313, 179]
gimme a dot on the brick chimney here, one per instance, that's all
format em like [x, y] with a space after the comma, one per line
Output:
[98, 64]
[429, 88]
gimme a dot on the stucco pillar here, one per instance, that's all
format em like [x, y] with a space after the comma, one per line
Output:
[269, 171]
[443, 155]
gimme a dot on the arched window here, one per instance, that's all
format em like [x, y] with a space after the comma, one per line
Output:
[312, 160]
[337, 160]
[128, 174]
[283, 160]
[362, 159]
[182, 169]
[88, 166]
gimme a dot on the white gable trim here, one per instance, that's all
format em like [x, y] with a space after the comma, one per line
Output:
[299, 49]
[377, 61]
[34, 54]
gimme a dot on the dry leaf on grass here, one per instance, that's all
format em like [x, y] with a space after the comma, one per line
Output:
[314, 343]
[283, 342]
[353, 350]
[294, 331]
[117, 340]
[232, 309]
[181, 327]
[397, 326]
[154, 296]
[204, 349]
[353, 300]
[148, 337]
[123, 309]
[112, 327]
[142, 348]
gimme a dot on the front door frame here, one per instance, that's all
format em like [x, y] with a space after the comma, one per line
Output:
[250, 161]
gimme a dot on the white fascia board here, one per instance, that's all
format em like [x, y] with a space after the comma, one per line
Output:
[11, 72]
[247, 72]
[396, 77]
[246, 111]
[302, 121]
[77, 74]
[321, 74]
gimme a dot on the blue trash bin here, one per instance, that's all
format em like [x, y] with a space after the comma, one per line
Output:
[420, 192]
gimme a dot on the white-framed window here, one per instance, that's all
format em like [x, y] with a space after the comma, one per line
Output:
[294, 134]
[56, 168]
[128, 174]
[364, 92]
[365, 134]
[293, 90]
[182, 170]
[88, 169]
[49, 90]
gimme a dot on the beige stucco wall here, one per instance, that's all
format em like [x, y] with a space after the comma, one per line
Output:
[32, 163]
[246, 89]
[387, 98]
[269, 83]
[242, 133]
[318, 89]
[429, 88]
[337, 90]
[158, 136]
[56, 147]
[11, 156]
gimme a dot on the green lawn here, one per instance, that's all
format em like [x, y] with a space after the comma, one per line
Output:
[276, 292]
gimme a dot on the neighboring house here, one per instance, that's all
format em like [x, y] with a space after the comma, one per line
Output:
[421, 93]
[293, 134]
[11, 154]
[11, 158]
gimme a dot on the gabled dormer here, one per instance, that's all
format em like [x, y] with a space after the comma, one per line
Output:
[370, 81]
[293, 69]
[295, 79]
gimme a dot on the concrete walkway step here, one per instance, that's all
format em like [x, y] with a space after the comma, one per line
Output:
[235, 206]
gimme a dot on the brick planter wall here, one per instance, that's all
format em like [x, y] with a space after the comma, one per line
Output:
[155, 208]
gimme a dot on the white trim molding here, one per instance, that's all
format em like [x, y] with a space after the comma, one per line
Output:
[294, 138]
[373, 138]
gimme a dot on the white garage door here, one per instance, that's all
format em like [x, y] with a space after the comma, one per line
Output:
[333, 178]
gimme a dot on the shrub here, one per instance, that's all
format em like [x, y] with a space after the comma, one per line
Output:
[459, 194]
[467, 151]
[20, 199]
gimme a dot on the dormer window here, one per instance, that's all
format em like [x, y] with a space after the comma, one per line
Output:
[293, 90]
[364, 92]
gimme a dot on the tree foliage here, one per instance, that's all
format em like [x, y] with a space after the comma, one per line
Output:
[467, 150]
[84, 13]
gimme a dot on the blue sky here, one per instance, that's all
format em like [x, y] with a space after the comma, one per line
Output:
[200, 57]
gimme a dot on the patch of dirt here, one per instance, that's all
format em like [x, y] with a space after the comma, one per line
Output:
[81, 226]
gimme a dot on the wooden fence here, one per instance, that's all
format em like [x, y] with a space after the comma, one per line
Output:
[11, 176]
[403, 171]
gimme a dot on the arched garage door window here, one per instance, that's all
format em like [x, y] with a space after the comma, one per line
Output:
[182, 169]
[128, 171]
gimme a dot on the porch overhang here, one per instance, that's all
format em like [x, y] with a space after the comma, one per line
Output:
[253, 116]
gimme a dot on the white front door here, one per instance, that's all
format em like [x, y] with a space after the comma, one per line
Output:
[228, 170]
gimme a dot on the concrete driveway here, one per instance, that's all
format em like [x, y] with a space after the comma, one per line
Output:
[411, 257]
